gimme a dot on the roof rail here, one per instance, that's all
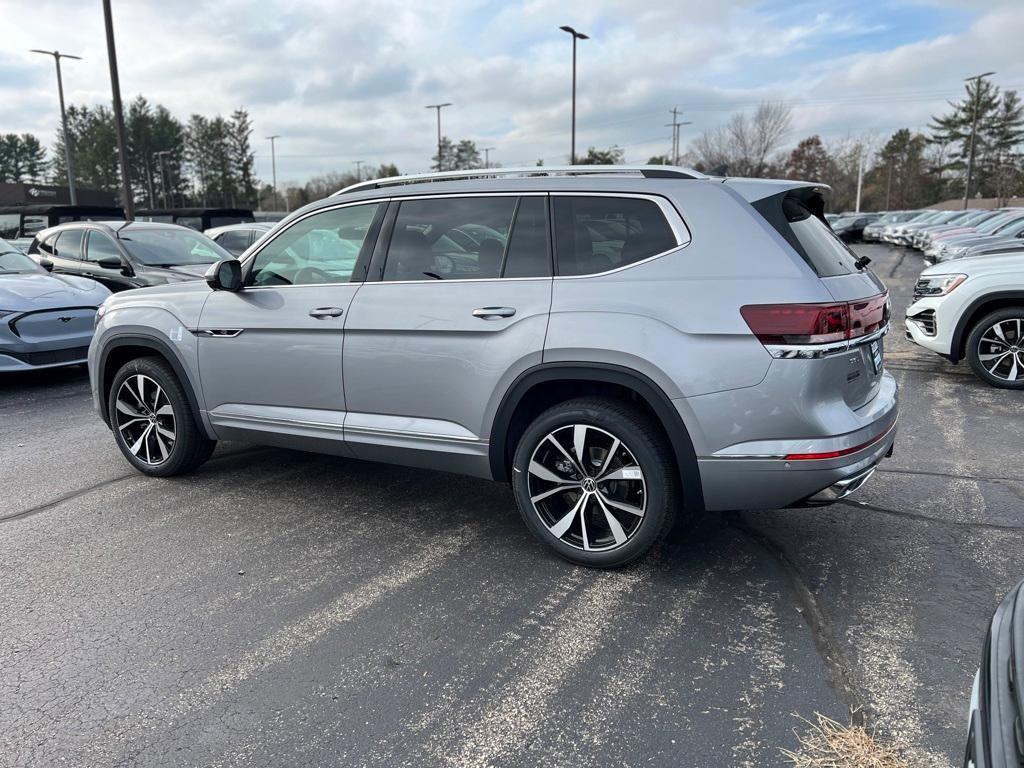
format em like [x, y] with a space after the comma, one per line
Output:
[645, 171]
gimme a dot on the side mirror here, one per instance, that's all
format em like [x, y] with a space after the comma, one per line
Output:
[46, 264]
[225, 275]
[110, 262]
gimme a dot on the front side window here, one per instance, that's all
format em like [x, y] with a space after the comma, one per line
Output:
[597, 234]
[192, 222]
[69, 246]
[451, 238]
[48, 245]
[234, 240]
[101, 247]
[322, 248]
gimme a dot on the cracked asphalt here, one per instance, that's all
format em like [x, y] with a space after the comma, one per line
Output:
[280, 608]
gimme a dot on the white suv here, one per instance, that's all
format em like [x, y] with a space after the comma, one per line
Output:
[974, 308]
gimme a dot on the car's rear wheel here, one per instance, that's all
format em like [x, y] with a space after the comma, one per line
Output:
[153, 423]
[995, 348]
[594, 479]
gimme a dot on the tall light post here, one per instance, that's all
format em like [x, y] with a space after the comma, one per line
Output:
[438, 107]
[675, 124]
[974, 131]
[359, 169]
[575, 36]
[273, 164]
[68, 159]
[115, 89]
[487, 155]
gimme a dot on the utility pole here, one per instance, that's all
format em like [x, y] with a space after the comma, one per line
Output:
[273, 165]
[359, 169]
[575, 36]
[860, 176]
[163, 176]
[115, 87]
[487, 155]
[68, 154]
[676, 122]
[974, 131]
[888, 188]
[438, 107]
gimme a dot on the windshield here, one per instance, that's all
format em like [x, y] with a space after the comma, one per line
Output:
[171, 247]
[16, 261]
[1014, 221]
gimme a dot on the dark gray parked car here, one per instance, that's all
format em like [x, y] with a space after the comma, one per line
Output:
[124, 255]
[45, 321]
[620, 344]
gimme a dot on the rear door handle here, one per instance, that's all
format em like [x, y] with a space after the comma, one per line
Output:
[326, 312]
[493, 313]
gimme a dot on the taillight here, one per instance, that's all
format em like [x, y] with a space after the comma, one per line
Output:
[797, 324]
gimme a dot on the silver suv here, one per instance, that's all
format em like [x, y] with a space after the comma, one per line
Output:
[623, 345]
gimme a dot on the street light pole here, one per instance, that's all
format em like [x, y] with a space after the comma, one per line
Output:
[273, 164]
[68, 155]
[115, 87]
[359, 169]
[487, 155]
[438, 107]
[676, 123]
[575, 36]
[974, 131]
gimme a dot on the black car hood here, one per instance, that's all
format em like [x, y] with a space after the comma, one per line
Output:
[183, 271]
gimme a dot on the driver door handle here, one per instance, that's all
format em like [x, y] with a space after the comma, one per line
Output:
[493, 313]
[326, 312]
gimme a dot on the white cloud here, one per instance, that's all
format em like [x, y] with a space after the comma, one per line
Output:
[342, 81]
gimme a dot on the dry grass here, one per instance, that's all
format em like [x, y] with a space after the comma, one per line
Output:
[828, 744]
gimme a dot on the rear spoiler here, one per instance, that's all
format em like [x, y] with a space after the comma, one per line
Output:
[753, 190]
[996, 735]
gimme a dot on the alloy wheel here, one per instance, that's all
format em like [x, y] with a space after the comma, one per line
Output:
[587, 488]
[1001, 349]
[145, 419]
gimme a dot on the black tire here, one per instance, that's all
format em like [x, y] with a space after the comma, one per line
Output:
[641, 441]
[189, 449]
[978, 344]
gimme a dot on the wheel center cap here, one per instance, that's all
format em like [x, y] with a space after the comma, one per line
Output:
[152, 418]
[588, 485]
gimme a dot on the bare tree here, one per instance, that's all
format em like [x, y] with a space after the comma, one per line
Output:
[743, 146]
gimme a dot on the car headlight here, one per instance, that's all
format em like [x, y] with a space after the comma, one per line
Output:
[937, 285]
[101, 310]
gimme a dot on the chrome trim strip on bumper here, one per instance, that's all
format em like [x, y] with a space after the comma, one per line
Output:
[815, 351]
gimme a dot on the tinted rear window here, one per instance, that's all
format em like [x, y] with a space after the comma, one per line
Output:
[810, 237]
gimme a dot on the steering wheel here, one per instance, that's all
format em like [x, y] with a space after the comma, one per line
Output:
[311, 275]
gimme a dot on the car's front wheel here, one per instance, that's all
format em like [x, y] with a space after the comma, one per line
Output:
[153, 422]
[995, 348]
[594, 480]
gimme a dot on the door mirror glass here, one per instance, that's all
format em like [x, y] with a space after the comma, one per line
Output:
[225, 275]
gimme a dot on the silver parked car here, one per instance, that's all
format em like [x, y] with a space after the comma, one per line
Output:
[620, 344]
[236, 238]
[46, 320]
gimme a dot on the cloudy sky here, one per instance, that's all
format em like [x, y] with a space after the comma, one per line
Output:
[346, 80]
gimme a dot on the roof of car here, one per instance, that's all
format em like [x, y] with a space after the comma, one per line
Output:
[194, 211]
[111, 226]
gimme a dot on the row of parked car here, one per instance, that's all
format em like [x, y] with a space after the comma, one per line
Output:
[52, 283]
[945, 235]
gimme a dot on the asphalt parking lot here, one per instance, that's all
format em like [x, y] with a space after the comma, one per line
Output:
[290, 609]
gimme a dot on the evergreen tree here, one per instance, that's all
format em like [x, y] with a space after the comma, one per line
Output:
[242, 157]
[954, 130]
[445, 161]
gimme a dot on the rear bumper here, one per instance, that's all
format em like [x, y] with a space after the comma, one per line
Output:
[765, 478]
